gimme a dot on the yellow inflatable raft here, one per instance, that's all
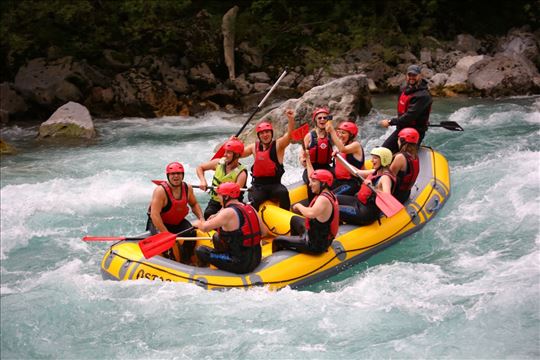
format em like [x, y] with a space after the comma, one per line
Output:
[124, 260]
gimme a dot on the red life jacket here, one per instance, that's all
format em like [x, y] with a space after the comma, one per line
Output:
[329, 227]
[248, 232]
[266, 169]
[403, 103]
[406, 179]
[365, 194]
[320, 150]
[341, 171]
[176, 209]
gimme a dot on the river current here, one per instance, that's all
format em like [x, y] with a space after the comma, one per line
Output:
[465, 286]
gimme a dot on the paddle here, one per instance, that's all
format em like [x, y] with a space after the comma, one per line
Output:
[119, 238]
[221, 150]
[158, 182]
[110, 238]
[300, 133]
[388, 204]
[156, 244]
[448, 125]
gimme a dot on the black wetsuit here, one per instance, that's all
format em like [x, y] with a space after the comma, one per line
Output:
[416, 114]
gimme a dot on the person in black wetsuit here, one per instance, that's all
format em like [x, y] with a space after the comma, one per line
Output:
[314, 233]
[414, 107]
[237, 246]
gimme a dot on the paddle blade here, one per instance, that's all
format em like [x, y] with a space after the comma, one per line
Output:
[220, 153]
[300, 133]
[451, 125]
[388, 204]
[156, 244]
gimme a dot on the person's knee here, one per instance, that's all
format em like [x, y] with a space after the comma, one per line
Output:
[203, 254]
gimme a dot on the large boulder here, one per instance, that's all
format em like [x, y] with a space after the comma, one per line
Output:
[70, 120]
[136, 94]
[467, 43]
[459, 75]
[519, 42]
[52, 83]
[346, 97]
[10, 102]
[504, 75]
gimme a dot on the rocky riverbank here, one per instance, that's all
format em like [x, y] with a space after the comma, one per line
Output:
[152, 86]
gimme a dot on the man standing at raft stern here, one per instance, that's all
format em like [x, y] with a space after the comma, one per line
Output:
[237, 245]
[267, 168]
[315, 233]
[414, 107]
[226, 169]
[168, 210]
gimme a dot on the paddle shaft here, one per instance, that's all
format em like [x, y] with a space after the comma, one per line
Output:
[262, 102]
[194, 238]
[213, 187]
[387, 203]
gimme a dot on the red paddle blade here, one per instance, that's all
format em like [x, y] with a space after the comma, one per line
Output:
[220, 153]
[157, 182]
[388, 204]
[300, 133]
[156, 244]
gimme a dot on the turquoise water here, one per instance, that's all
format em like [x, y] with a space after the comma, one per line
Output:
[466, 286]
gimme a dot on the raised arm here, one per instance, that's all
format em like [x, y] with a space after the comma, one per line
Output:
[285, 140]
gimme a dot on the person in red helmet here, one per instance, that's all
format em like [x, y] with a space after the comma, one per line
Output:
[267, 168]
[314, 233]
[352, 151]
[406, 164]
[168, 210]
[237, 245]
[319, 145]
[226, 169]
[414, 107]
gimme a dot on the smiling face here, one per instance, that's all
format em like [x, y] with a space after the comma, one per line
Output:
[265, 136]
[413, 79]
[343, 136]
[315, 186]
[376, 160]
[320, 120]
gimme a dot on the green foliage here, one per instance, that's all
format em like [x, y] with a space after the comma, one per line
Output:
[289, 32]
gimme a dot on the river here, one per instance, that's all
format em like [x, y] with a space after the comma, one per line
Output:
[466, 286]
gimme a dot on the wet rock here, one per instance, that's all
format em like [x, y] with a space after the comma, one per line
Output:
[6, 148]
[71, 120]
[10, 102]
[459, 75]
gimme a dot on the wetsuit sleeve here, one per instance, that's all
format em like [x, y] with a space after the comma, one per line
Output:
[417, 106]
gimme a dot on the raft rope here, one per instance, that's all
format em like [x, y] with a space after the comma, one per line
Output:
[273, 229]
[263, 283]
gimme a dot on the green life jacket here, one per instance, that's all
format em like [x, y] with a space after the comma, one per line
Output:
[220, 177]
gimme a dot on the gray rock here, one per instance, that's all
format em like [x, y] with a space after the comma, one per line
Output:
[438, 80]
[10, 101]
[521, 43]
[459, 75]
[260, 87]
[504, 75]
[242, 85]
[467, 43]
[259, 77]
[346, 97]
[202, 74]
[70, 120]
[425, 56]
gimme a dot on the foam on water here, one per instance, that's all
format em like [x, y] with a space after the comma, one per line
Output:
[465, 286]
